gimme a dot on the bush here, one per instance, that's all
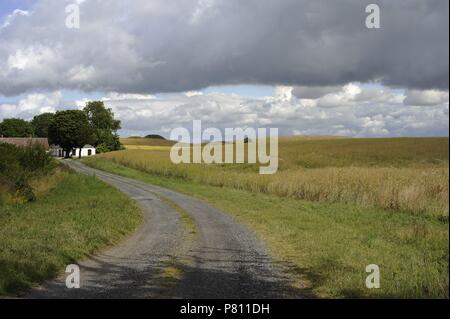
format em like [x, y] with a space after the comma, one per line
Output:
[19, 164]
[102, 148]
[35, 160]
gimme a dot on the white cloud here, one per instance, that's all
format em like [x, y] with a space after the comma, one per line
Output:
[345, 96]
[358, 110]
[10, 18]
[81, 73]
[201, 9]
[283, 93]
[32, 104]
[313, 92]
[114, 96]
[30, 58]
[426, 98]
[193, 93]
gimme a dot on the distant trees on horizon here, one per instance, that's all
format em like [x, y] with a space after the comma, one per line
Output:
[70, 129]
[15, 127]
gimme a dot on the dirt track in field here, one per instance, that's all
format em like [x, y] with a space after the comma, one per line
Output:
[223, 260]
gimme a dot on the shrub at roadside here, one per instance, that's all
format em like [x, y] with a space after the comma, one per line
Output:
[20, 164]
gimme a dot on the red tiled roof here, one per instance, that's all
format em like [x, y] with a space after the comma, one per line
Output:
[25, 141]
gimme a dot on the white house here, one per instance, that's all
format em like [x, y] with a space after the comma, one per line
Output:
[87, 150]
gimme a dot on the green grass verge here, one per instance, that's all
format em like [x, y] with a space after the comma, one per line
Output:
[330, 245]
[77, 218]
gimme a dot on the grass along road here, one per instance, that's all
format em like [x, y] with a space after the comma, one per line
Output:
[222, 260]
[67, 223]
[330, 244]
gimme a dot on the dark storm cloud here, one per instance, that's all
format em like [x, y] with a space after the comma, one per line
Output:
[161, 46]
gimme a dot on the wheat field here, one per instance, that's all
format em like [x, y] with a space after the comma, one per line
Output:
[407, 174]
[335, 206]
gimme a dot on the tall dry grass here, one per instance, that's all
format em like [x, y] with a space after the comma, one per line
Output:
[402, 174]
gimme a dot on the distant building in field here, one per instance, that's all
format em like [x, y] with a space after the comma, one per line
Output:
[25, 141]
[87, 150]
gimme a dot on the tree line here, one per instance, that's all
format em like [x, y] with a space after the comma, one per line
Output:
[94, 124]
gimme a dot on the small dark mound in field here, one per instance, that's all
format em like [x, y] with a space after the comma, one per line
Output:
[155, 136]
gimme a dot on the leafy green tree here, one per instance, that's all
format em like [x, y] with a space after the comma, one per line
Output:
[104, 126]
[109, 141]
[70, 129]
[16, 128]
[100, 116]
[41, 123]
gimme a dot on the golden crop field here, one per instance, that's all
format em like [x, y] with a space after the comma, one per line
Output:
[409, 174]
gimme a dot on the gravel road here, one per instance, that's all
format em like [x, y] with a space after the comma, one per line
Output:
[223, 260]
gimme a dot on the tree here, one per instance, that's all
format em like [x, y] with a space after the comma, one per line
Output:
[104, 126]
[16, 128]
[41, 123]
[109, 142]
[70, 129]
[100, 117]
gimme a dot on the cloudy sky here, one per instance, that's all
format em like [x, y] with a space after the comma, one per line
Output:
[305, 66]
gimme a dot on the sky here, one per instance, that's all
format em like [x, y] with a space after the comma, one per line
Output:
[307, 67]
